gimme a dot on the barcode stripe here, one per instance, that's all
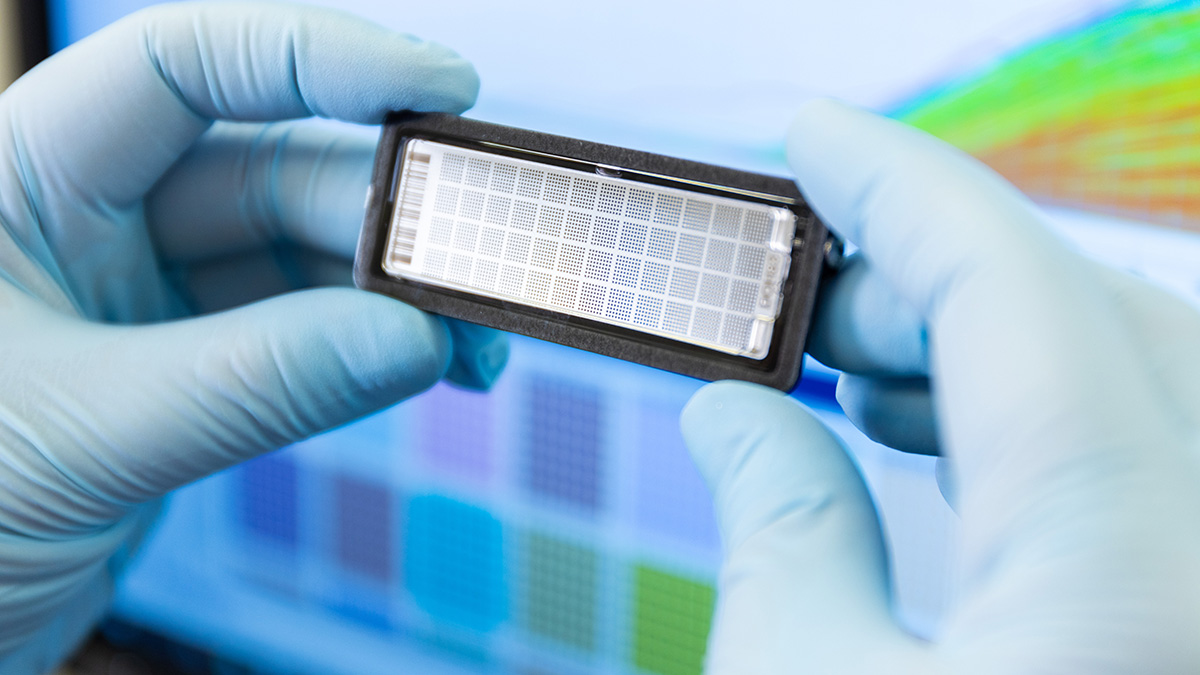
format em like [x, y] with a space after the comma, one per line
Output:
[404, 235]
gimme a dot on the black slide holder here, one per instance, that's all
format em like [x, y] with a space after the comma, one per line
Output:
[813, 246]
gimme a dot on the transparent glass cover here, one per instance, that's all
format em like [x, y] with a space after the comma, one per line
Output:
[665, 261]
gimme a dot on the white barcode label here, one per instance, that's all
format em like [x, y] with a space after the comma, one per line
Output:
[671, 262]
[408, 207]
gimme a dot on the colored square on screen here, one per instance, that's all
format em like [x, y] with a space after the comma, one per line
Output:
[671, 497]
[564, 436]
[560, 602]
[454, 562]
[456, 432]
[672, 615]
[269, 500]
[363, 511]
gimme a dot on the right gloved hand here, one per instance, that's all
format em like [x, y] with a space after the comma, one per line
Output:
[1067, 398]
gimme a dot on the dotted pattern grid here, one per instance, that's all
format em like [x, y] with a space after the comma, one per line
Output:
[364, 527]
[454, 563]
[560, 591]
[671, 622]
[269, 499]
[456, 432]
[455, 567]
[648, 258]
[564, 425]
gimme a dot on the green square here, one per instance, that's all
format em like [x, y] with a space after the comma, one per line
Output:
[561, 600]
[672, 615]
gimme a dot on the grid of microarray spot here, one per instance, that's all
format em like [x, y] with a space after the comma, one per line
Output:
[454, 562]
[671, 499]
[560, 602]
[564, 441]
[455, 565]
[269, 499]
[456, 432]
[672, 616]
[363, 513]
[634, 255]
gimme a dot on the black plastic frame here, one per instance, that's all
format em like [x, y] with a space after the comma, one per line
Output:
[33, 17]
[780, 368]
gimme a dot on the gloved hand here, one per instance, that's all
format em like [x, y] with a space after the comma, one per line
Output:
[1067, 397]
[125, 209]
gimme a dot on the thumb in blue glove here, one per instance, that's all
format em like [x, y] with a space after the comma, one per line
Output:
[1067, 396]
[126, 209]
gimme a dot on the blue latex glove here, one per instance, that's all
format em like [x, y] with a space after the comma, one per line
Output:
[878, 340]
[1067, 396]
[124, 206]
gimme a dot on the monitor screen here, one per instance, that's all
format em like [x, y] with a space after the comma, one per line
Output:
[556, 523]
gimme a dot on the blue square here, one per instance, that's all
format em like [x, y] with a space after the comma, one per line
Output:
[269, 500]
[454, 563]
[565, 436]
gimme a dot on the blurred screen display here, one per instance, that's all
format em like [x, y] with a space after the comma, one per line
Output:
[556, 524]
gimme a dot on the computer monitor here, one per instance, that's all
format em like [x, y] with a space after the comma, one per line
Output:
[556, 524]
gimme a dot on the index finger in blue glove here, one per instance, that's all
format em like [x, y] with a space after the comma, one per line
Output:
[128, 101]
[1001, 295]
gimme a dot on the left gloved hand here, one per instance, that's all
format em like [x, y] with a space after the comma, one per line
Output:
[126, 208]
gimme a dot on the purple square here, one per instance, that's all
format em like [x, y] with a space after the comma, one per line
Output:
[364, 527]
[456, 432]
